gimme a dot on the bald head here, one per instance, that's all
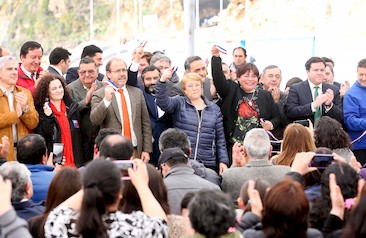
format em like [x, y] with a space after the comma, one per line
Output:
[116, 147]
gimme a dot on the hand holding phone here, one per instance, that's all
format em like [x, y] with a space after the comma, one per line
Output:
[58, 153]
[321, 161]
[302, 122]
[124, 165]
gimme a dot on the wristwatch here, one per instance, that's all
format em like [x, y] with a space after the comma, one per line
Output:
[26, 109]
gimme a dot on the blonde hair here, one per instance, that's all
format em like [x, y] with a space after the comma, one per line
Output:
[190, 77]
[296, 139]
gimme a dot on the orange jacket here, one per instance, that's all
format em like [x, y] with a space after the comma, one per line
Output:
[25, 123]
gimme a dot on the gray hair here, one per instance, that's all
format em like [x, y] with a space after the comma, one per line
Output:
[257, 144]
[19, 175]
[5, 59]
[159, 57]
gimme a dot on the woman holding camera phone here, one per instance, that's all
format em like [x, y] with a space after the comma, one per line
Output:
[59, 119]
[93, 211]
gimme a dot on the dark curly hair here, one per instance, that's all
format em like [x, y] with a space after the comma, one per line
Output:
[347, 180]
[42, 90]
[329, 133]
[211, 213]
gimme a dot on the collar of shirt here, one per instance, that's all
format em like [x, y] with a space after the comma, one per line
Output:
[26, 72]
[124, 88]
[57, 69]
[6, 92]
[312, 86]
[87, 89]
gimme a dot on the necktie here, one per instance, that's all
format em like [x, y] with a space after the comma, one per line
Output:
[318, 113]
[32, 76]
[125, 117]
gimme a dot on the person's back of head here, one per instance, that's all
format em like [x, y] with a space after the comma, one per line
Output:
[243, 201]
[296, 138]
[257, 144]
[90, 51]
[31, 149]
[103, 133]
[329, 133]
[285, 210]
[346, 178]
[59, 190]
[131, 200]
[293, 81]
[116, 147]
[19, 175]
[58, 54]
[102, 185]
[171, 157]
[174, 137]
[211, 213]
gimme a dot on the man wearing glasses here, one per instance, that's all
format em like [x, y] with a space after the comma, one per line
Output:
[123, 107]
[81, 91]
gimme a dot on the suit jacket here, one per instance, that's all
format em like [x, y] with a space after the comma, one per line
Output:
[54, 72]
[177, 89]
[25, 123]
[89, 131]
[234, 178]
[298, 105]
[111, 117]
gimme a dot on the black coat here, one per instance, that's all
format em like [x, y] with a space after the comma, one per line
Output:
[49, 128]
[231, 92]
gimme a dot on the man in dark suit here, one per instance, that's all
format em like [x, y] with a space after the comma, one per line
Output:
[81, 91]
[312, 98]
[108, 104]
[59, 61]
[194, 64]
[160, 120]
[89, 51]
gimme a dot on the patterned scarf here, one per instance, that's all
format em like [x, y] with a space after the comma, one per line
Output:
[247, 112]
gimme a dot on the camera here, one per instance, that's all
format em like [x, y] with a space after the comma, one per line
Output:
[123, 166]
[321, 161]
[302, 122]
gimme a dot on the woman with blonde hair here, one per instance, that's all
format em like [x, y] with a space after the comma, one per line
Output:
[296, 139]
[199, 118]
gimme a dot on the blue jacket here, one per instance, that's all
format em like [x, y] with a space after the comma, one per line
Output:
[41, 176]
[28, 209]
[206, 135]
[354, 108]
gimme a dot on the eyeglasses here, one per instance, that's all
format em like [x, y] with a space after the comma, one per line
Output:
[119, 71]
[90, 71]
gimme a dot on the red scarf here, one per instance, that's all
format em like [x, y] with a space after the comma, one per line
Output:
[66, 138]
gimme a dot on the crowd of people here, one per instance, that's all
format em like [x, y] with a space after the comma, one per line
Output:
[143, 152]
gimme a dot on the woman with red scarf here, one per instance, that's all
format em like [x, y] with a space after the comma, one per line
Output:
[59, 119]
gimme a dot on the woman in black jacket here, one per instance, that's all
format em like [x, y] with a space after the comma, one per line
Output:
[59, 119]
[244, 105]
